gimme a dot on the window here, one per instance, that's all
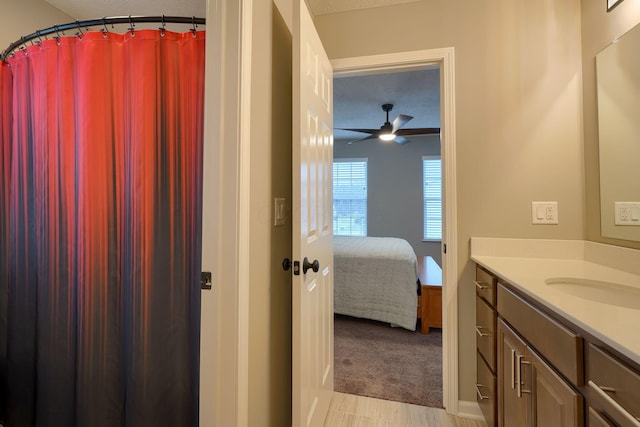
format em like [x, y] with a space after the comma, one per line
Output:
[432, 195]
[350, 197]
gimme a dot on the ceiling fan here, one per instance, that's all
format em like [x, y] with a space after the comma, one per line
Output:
[393, 131]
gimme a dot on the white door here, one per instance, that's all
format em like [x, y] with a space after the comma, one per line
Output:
[312, 350]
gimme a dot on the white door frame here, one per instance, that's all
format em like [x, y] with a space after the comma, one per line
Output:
[224, 337]
[404, 61]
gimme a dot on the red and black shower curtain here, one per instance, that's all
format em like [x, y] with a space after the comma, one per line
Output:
[100, 230]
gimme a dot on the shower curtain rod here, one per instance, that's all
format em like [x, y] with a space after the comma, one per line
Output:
[131, 20]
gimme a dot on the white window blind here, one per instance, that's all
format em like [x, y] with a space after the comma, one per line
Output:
[432, 195]
[350, 197]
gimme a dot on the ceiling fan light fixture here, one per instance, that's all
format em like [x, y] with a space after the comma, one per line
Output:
[392, 131]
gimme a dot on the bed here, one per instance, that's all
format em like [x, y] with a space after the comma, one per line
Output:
[376, 278]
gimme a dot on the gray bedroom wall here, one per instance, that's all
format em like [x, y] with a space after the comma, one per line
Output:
[395, 188]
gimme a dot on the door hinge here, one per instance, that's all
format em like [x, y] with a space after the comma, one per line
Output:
[205, 280]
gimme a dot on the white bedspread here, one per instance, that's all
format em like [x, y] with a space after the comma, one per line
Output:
[376, 278]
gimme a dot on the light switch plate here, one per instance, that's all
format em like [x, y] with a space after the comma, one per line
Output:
[627, 213]
[544, 212]
[279, 214]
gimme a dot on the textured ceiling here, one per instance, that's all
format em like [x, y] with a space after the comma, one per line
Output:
[357, 101]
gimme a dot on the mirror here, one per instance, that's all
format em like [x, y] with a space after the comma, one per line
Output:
[618, 91]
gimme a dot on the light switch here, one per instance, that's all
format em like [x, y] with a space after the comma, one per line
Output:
[279, 213]
[627, 213]
[544, 212]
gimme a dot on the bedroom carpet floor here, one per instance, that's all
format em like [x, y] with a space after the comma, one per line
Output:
[375, 360]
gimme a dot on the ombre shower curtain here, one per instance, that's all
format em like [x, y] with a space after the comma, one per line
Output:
[100, 230]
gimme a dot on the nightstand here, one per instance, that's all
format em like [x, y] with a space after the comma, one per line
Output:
[430, 303]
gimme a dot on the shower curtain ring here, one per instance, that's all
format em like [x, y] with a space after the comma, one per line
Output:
[79, 33]
[57, 39]
[195, 26]
[131, 27]
[163, 28]
[105, 30]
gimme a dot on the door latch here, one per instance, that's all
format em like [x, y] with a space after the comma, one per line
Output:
[206, 280]
[296, 268]
[286, 265]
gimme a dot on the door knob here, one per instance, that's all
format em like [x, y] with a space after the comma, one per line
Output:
[306, 265]
[286, 264]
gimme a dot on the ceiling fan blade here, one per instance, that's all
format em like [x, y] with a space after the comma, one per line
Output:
[401, 140]
[400, 121]
[418, 131]
[371, 131]
[363, 139]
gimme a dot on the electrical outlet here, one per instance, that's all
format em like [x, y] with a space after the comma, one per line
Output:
[627, 213]
[544, 212]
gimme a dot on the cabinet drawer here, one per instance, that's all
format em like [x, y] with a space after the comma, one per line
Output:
[485, 332]
[485, 285]
[614, 389]
[486, 391]
[560, 346]
[596, 420]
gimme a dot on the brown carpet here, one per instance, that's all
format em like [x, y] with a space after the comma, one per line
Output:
[375, 360]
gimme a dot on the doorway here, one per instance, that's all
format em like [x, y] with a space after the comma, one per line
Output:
[386, 192]
[416, 60]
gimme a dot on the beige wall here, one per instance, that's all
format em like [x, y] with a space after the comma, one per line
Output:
[518, 99]
[22, 17]
[270, 286]
[599, 29]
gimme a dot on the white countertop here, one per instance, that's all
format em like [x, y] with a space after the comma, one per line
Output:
[527, 263]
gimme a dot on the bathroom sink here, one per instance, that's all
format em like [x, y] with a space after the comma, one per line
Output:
[600, 291]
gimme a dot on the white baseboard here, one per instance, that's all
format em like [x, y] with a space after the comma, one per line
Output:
[469, 410]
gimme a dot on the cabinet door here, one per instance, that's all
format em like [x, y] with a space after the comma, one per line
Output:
[513, 405]
[554, 402]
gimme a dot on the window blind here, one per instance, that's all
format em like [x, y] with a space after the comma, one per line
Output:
[432, 195]
[350, 197]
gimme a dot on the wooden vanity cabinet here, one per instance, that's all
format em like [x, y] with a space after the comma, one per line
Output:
[553, 401]
[536, 368]
[485, 328]
[597, 420]
[513, 409]
[530, 392]
[613, 390]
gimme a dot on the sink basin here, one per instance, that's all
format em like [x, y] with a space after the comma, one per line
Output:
[599, 291]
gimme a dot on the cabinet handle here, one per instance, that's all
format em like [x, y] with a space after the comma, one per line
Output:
[479, 393]
[600, 392]
[513, 368]
[519, 362]
[479, 332]
[480, 285]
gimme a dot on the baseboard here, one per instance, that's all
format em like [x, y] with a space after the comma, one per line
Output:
[469, 410]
